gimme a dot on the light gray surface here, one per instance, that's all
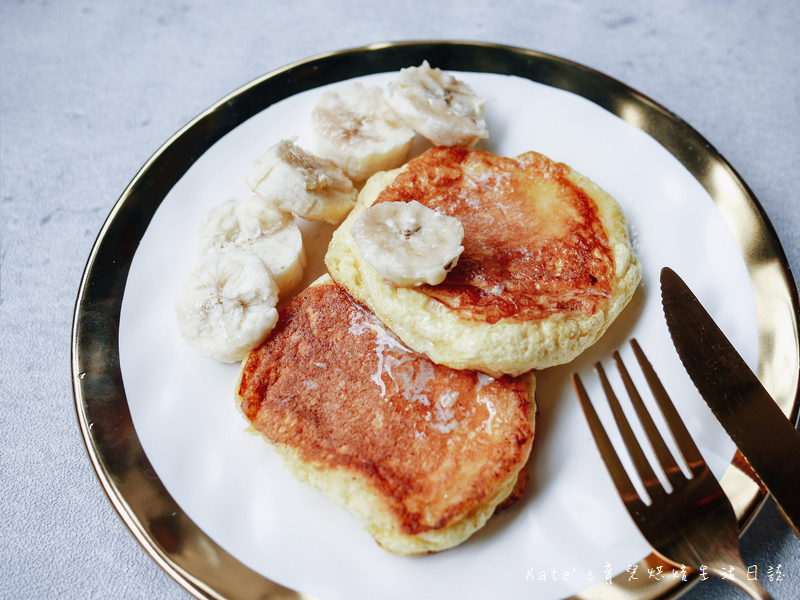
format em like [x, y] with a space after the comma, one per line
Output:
[90, 90]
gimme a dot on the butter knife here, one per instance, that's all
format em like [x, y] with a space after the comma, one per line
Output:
[766, 438]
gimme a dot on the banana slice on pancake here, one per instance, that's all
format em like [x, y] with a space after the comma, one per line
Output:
[408, 243]
[353, 126]
[260, 227]
[227, 305]
[438, 106]
[302, 183]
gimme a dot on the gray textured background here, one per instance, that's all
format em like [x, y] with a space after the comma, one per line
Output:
[90, 90]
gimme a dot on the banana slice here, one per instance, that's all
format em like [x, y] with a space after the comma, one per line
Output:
[438, 106]
[226, 307]
[301, 183]
[260, 227]
[354, 127]
[408, 243]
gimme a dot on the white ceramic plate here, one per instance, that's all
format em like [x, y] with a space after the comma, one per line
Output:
[570, 530]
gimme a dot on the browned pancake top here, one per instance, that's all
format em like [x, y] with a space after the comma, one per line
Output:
[331, 383]
[533, 243]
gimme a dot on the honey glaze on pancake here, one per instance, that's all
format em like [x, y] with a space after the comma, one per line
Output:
[534, 244]
[331, 383]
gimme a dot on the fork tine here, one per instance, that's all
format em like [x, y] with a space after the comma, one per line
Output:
[640, 462]
[664, 456]
[607, 451]
[680, 434]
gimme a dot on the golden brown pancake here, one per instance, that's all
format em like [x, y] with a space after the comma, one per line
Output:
[547, 262]
[422, 452]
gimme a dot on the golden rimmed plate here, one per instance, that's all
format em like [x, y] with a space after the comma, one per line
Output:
[215, 508]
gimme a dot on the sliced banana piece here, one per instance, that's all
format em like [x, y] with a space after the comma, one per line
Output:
[301, 183]
[408, 243]
[353, 126]
[226, 307]
[438, 106]
[258, 226]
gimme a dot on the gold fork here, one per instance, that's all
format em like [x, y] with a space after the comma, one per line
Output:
[693, 526]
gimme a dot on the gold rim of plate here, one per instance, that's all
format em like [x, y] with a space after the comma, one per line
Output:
[188, 555]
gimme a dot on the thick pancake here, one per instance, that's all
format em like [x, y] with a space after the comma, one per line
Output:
[547, 262]
[422, 452]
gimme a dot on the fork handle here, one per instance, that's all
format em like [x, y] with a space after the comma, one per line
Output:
[749, 586]
[753, 588]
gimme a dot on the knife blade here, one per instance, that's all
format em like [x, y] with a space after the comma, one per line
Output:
[764, 435]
